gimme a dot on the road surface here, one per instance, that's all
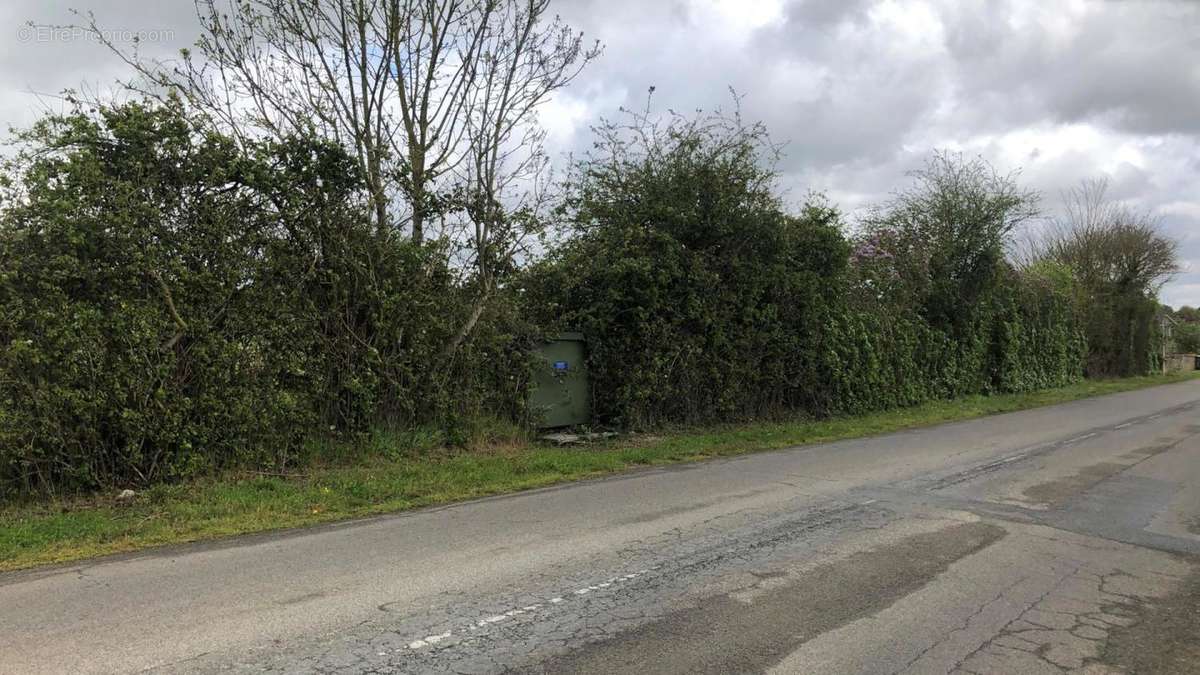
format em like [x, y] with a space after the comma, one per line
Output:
[1058, 540]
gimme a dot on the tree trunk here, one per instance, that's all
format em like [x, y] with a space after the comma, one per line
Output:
[419, 196]
[468, 326]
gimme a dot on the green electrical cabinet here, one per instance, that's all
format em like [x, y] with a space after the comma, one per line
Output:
[561, 392]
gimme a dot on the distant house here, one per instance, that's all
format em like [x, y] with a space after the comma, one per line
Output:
[1172, 359]
[1166, 330]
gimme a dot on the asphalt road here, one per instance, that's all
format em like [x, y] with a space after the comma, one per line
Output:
[1058, 540]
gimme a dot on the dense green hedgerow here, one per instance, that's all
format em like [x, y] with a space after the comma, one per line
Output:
[704, 300]
[172, 303]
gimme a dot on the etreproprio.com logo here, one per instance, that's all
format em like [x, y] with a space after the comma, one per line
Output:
[38, 33]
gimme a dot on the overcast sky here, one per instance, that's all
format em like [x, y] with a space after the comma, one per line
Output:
[861, 90]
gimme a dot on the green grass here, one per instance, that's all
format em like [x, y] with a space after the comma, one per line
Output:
[391, 475]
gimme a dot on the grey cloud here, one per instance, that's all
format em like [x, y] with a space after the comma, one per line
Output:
[860, 92]
[37, 63]
[825, 13]
[1125, 65]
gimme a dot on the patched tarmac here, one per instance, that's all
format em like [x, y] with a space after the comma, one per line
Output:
[1058, 540]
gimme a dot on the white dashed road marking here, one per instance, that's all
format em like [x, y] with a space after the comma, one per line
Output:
[434, 639]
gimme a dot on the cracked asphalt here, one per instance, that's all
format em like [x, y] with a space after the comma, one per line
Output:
[1059, 540]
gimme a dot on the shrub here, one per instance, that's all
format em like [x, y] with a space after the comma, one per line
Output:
[693, 286]
[134, 345]
[172, 302]
[704, 300]
[1187, 338]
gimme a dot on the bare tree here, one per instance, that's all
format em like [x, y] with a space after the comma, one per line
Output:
[396, 81]
[1120, 259]
[948, 232]
[437, 99]
[504, 175]
[1106, 243]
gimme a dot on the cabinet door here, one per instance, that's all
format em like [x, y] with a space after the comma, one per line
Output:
[560, 392]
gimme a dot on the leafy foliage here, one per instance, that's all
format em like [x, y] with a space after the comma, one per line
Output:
[1187, 338]
[947, 234]
[172, 304]
[1121, 259]
[703, 299]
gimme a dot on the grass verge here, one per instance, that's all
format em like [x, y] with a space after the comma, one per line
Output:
[47, 532]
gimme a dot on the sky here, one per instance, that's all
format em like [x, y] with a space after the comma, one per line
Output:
[861, 91]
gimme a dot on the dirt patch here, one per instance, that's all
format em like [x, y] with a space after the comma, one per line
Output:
[1060, 490]
[724, 635]
[1194, 526]
[1147, 452]
[1055, 492]
[1166, 639]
